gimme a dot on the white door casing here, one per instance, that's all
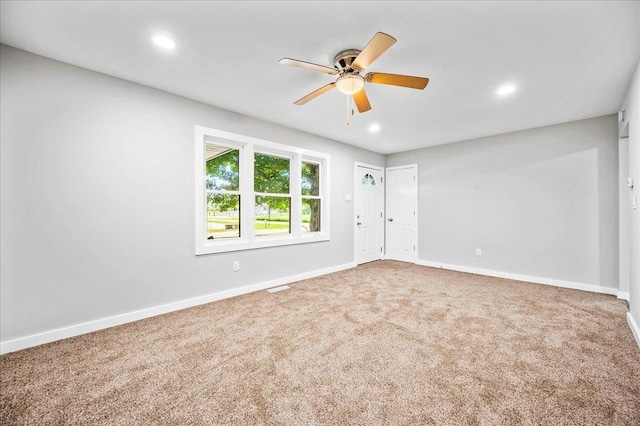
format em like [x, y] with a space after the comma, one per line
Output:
[402, 213]
[369, 212]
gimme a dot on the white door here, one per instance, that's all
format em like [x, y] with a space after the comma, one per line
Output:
[369, 209]
[402, 214]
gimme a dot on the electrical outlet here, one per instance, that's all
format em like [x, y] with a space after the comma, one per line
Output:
[478, 252]
[236, 266]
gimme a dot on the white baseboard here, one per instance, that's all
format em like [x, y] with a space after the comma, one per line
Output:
[634, 328]
[623, 295]
[518, 277]
[100, 324]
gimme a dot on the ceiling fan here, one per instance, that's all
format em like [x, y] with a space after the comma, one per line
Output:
[349, 64]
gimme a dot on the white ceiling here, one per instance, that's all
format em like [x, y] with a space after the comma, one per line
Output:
[570, 60]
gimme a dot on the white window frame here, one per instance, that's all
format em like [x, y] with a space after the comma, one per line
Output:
[248, 146]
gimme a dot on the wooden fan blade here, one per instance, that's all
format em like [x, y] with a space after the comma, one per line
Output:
[307, 65]
[397, 80]
[376, 47]
[315, 94]
[362, 102]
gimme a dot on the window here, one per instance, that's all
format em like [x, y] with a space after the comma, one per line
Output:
[252, 193]
[311, 198]
[222, 179]
[369, 180]
[273, 196]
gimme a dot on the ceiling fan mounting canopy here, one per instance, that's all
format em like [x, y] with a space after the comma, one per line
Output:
[349, 63]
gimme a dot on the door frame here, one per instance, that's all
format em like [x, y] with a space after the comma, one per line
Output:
[382, 170]
[416, 200]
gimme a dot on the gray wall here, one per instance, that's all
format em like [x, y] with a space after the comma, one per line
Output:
[540, 202]
[631, 105]
[97, 202]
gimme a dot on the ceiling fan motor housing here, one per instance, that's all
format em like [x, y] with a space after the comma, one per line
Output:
[344, 59]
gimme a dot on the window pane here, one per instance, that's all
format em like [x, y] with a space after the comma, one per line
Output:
[273, 215]
[223, 216]
[271, 174]
[222, 168]
[310, 179]
[368, 180]
[311, 214]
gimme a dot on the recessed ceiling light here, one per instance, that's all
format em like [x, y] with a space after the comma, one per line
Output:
[374, 127]
[164, 42]
[507, 89]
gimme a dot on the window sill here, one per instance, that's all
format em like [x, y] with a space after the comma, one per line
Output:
[211, 247]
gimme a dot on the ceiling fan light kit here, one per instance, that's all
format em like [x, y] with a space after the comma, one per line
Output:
[348, 64]
[350, 83]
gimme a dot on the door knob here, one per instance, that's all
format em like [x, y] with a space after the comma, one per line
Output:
[390, 219]
[358, 223]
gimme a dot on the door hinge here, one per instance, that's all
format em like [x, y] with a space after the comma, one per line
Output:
[414, 177]
[380, 214]
[414, 212]
[414, 248]
[380, 249]
[381, 179]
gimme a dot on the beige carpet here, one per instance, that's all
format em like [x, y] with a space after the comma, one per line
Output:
[386, 343]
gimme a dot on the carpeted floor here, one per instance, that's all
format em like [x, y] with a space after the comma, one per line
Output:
[387, 343]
